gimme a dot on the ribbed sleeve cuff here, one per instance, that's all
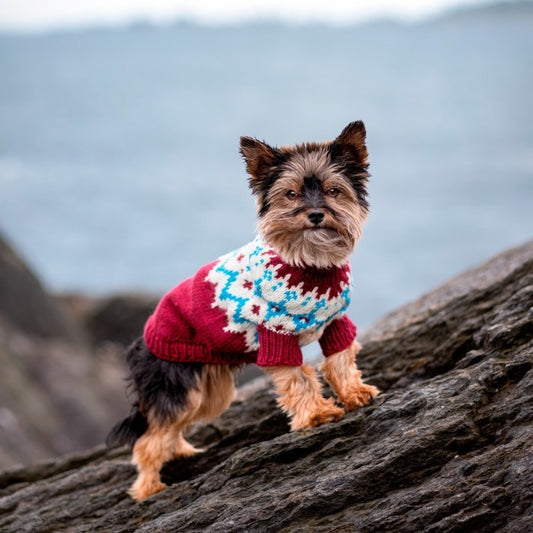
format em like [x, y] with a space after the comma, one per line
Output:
[338, 336]
[278, 349]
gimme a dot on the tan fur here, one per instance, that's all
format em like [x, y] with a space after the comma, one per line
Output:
[152, 449]
[162, 443]
[218, 390]
[300, 396]
[342, 374]
[258, 155]
[307, 337]
[284, 224]
[293, 235]
[286, 227]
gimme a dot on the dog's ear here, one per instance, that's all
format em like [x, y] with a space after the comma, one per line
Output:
[350, 144]
[260, 159]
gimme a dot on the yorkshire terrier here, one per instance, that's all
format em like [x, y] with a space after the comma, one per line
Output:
[259, 304]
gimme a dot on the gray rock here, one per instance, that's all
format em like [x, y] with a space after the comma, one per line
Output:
[447, 447]
[55, 396]
[115, 319]
[26, 305]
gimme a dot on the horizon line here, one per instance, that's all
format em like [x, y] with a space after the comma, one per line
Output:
[150, 22]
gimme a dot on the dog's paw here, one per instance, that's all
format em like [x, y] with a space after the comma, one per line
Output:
[185, 449]
[142, 489]
[331, 414]
[362, 395]
[316, 415]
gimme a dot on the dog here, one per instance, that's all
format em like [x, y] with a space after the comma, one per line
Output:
[259, 304]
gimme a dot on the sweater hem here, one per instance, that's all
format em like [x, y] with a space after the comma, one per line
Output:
[187, 351]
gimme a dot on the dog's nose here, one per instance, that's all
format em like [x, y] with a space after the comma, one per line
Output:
[315, 216]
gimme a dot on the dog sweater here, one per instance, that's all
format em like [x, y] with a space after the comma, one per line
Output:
[249, 306]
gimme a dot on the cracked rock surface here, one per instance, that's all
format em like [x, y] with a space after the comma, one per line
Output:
[448, 445]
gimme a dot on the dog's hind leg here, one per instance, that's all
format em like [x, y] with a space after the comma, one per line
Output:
[216, 390]
[162, 442]
[149, 453]
[217, 385]
[301, 396]
[344, 377]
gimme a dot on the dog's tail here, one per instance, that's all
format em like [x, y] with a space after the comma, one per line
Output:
[129, 430]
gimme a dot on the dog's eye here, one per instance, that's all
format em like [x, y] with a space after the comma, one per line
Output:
[333, 192]
[291, 195]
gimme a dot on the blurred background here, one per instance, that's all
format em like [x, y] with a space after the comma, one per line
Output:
[120, 172]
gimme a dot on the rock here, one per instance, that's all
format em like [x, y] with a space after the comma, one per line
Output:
[446, 447]
[115, 319]
[26, 305]
[56, 395]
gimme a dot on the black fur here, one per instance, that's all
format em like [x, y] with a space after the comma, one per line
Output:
[129, 430]
[351, 163]
[345, 157]
[265, 163]
[160, 388]
[312, 193]
[358, 177]
[313, 197]
[264, 168]
[262, 188]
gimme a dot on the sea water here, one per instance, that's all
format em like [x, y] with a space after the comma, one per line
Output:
[119, 163]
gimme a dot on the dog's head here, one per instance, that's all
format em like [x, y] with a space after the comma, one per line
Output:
[311, 197]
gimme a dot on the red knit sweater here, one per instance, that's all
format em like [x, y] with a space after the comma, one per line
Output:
[250, 306]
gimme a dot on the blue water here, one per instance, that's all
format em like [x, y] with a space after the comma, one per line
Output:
[119, 165]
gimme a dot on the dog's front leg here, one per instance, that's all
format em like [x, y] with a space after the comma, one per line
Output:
[300, 396]
[344, 377]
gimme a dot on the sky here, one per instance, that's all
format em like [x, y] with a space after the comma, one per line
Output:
[50, 14]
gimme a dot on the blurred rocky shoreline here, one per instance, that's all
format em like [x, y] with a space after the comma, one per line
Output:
[61, 385]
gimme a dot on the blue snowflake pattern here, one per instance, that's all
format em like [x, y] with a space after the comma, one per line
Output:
[251, 293]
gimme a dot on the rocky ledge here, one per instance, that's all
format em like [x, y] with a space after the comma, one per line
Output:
[448, 445]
